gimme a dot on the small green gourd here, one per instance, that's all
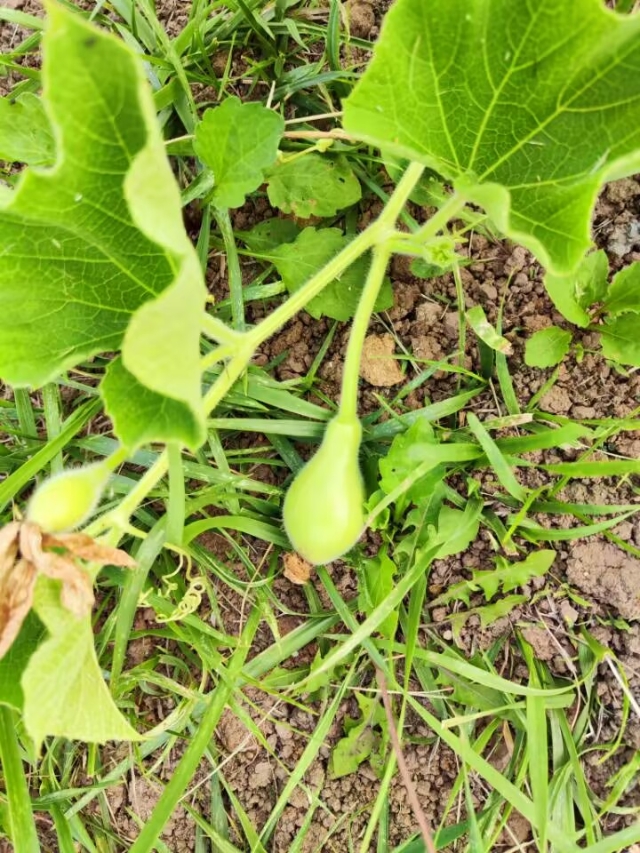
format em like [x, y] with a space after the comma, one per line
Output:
[65, 500]
[324, 508]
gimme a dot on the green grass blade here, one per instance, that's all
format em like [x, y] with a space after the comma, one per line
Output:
[497, 461]
[538, 763]
[606, 468]
[494, 778]
[52, 405]
[622, 840]
[309, 755]
[199, 743]
[250, 526]
[131, 590]
[433, 412]
[23, 829]
[377, 617]
[24, 410]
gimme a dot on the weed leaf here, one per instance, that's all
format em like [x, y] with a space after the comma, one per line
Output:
[505, 577]
[527, 108]
[269, 234]
[376, 583]
[620, 339]
[408, 449]
[456, 529]
[488, 613]
[237, 142]
[478, 321]
[25, 131]
[624, 292]
[349, 753]
[313, 186]
[547, 347]
[298, 261]
[574, 293]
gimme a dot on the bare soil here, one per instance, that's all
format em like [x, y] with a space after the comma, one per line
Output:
[593, 583]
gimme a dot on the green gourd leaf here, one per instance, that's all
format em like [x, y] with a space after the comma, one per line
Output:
[526, 108]
[94, 256]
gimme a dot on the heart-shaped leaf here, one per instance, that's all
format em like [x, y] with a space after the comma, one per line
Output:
[70, 700]
[526, 107]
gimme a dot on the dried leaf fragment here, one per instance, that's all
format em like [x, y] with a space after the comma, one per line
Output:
[86, 548]
[25, 553]
[296, 569]
[378, 365]
[16, 597]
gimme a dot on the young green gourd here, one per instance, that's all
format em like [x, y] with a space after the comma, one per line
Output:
[67, 499]
[324, 508]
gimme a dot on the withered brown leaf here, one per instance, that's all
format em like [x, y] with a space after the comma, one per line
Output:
[296, 569]
[86, 548]
[25, 552]
[16, 597]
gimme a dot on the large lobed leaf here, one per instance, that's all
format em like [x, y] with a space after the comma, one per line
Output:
[527, 107]
[93, 252]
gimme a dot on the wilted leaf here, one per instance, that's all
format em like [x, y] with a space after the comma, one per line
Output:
[16, 597]
[296, 569]
[26, 553]
[77, 588]
[86, 548]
